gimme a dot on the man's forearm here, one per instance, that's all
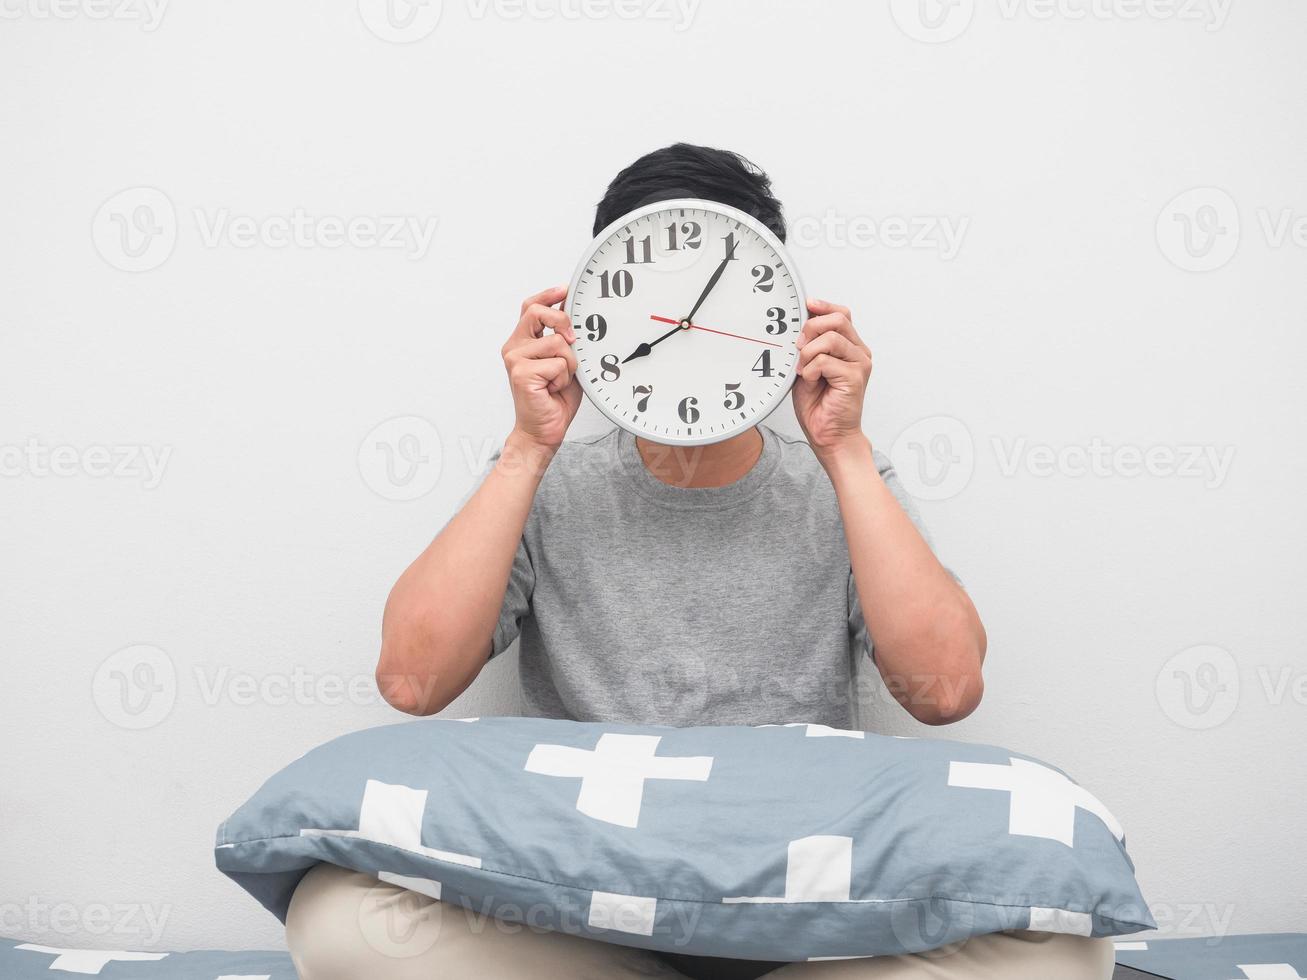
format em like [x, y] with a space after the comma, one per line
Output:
[440, 618]
[928, 639]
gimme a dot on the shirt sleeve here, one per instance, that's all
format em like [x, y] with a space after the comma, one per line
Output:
[521, 585]
[517, 601]
[859, 636]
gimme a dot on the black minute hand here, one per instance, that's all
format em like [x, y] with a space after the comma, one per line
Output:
[708, 288]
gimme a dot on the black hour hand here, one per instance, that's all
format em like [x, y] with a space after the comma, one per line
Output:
[644, 350]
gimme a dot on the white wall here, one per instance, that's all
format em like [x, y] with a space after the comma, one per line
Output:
[264, 553]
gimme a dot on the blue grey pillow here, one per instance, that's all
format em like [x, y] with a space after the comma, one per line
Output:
[775, 843]
[35, 961]
[1270, 956]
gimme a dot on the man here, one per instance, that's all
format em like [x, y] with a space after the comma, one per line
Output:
[736, 583]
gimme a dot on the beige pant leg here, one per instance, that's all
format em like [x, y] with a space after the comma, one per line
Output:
[343, 925]
[1020, 955]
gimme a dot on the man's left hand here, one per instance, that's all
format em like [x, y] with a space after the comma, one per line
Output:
[833, 371]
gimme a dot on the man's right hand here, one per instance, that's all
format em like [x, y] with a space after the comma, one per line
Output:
[439, 626]
[542, 370]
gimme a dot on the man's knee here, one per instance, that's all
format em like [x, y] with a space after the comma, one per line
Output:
[1020, 955]
[344, 925]
[1027, 954]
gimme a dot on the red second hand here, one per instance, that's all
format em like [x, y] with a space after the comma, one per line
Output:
[695, 326]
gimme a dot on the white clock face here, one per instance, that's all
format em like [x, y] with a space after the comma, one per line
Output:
[686, 313]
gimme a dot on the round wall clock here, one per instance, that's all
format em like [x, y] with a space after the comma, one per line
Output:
[686, 314]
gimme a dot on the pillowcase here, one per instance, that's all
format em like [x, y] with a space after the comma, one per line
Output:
[35, 961]
[1270, 956]
[784, 842]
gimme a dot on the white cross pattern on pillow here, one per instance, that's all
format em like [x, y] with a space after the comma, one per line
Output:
[613, 773]
[1061, 920]
[392, 814]
[817, 869]
[623, 913]
[818, 731]
[1268, 971]
[1043, 801]
[88, 961]
[423, 886]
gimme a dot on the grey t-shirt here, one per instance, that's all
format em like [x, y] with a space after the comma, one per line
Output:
[638, 601]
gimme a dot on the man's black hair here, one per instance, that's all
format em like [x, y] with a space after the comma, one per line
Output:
[683, 170]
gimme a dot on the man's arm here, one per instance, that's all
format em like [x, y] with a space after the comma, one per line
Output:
[928, 638]
[439, 622]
